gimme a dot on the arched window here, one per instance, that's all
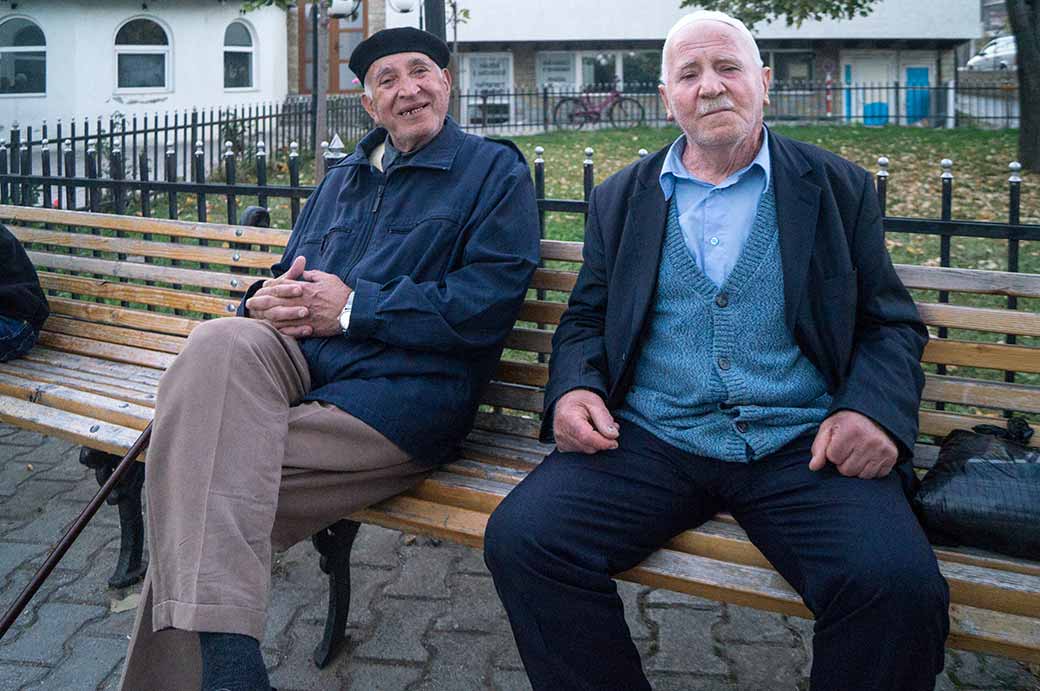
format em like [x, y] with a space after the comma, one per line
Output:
[142, 56]
[238, 56]
[23, 58]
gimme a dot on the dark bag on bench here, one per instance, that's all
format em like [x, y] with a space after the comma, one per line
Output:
[984, 491]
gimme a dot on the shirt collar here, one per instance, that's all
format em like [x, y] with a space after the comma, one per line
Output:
[439, 153]
[673, 168]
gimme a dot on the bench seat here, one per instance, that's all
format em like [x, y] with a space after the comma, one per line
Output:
[93, 377]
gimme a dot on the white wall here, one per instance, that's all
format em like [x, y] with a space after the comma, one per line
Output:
[553, 20]
[81, 62]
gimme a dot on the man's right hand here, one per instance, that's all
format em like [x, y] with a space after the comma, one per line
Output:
[583, 423]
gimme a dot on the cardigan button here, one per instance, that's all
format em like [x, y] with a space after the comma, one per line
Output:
[722, 299]
[723, 363]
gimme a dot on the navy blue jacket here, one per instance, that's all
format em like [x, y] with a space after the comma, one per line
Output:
[21, 297]
[439, 252]
[844, 304]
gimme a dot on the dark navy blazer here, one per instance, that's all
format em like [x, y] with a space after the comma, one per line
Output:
[844, 304]
[439, 252]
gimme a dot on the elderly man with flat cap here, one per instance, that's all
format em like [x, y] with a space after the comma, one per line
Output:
[737, 340]
[344, 379]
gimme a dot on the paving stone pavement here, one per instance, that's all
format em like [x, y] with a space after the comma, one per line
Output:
[425, 615]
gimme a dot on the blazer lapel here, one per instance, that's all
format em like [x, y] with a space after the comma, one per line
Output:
[797, 210]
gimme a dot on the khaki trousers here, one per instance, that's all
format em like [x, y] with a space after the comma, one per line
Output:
[237, 465]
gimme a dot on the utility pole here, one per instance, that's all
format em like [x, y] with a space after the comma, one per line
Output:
[435, 18]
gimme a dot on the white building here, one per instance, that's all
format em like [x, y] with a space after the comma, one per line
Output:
[507, 46]
[86, 58]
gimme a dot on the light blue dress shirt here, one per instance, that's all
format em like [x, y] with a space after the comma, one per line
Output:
[716, 219]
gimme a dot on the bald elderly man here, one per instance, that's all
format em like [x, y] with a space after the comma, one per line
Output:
[346, 378]
[737, 341]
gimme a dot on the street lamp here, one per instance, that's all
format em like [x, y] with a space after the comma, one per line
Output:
[434, 10]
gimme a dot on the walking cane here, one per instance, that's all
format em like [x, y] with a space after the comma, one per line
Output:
[70, 536]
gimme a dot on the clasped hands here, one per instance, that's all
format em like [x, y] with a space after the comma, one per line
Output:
[854, 443]
[301, 303]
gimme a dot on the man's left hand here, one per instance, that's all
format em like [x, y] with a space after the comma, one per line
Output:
[303, 308]
[855, 444]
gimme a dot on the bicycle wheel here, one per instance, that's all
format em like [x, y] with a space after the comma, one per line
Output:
[626, 112]
[569, 114]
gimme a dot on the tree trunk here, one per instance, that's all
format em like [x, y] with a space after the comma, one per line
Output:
[322, 87]
[1024, 16]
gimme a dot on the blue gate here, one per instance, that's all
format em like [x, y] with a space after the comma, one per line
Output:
[918, 102]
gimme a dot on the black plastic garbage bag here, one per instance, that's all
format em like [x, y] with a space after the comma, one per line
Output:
[984, 491]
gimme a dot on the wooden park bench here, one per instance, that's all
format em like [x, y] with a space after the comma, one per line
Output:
[126, 291]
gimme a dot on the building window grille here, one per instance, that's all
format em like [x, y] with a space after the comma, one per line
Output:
[142, 55]
[23, 58]
[238, 56]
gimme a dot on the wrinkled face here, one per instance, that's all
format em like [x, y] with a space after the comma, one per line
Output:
[715, 89]
[409, 97]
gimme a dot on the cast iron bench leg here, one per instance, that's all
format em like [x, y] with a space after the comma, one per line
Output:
[334, 543]
[127, 496]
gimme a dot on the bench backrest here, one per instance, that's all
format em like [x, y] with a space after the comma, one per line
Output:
[130, 289]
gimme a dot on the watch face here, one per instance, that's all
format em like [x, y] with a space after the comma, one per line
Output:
[344, 319]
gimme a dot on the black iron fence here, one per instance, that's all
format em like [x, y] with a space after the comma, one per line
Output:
[530, 110]
[156, 137]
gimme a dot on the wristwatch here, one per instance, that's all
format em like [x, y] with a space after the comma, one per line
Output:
[344, 316]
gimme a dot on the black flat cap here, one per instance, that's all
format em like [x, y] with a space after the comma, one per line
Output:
[404, 39]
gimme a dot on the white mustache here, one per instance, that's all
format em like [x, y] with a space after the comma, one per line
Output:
[720, 103]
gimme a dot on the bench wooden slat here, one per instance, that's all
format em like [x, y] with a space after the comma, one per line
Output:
[562, 250]
[980, 319]
[159, 226]
[90, 383]
[134, 292]
[184, 251]
[108, 351]
[71, 427]
[515, 397]
[73, 400]
[159, 273]
[115, 334]
[533, 340]
[125, 372]
[985, 355]
[978, 392]
[527, 373]
[103, 313]
[551, 279]
[969, 280]
[510, 424]
[542, 312]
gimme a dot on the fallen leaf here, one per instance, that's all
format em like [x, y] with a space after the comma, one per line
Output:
[126, 604]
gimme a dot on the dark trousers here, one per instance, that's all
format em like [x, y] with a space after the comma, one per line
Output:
[851, 548]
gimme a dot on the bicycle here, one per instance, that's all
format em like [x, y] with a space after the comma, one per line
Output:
[575, 112]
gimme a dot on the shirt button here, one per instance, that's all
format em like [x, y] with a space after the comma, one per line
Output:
[742, 427]
[722, 299]
[713, 242]
[723, 363]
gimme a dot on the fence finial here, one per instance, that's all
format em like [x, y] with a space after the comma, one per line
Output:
[324, 148]
[229, 149]
[335, 151]
[1015, 167]
[882, 166]
[170, 150]
[45, 143]
[294, 149]
[117, 149]
[642, 153]
[588, 155]
[538, 151]
[947, 168]
[66, 145]
[261, 148]
[198, 148]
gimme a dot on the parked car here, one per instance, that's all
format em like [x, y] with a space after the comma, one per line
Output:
[999, 54]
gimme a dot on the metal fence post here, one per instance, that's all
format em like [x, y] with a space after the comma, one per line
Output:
[229, 174]
[882, 184]
[171, 175]
[294, 179]
[45, 168]
[16, 146]
[117, 172]
[1014, 209]
[944, 244]
[587, 178]
[69, 152]
[91, 165]
[545, 107]
[3, 172]
[25, 165]
[200, 165]
[261, 171]
[146, 197]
